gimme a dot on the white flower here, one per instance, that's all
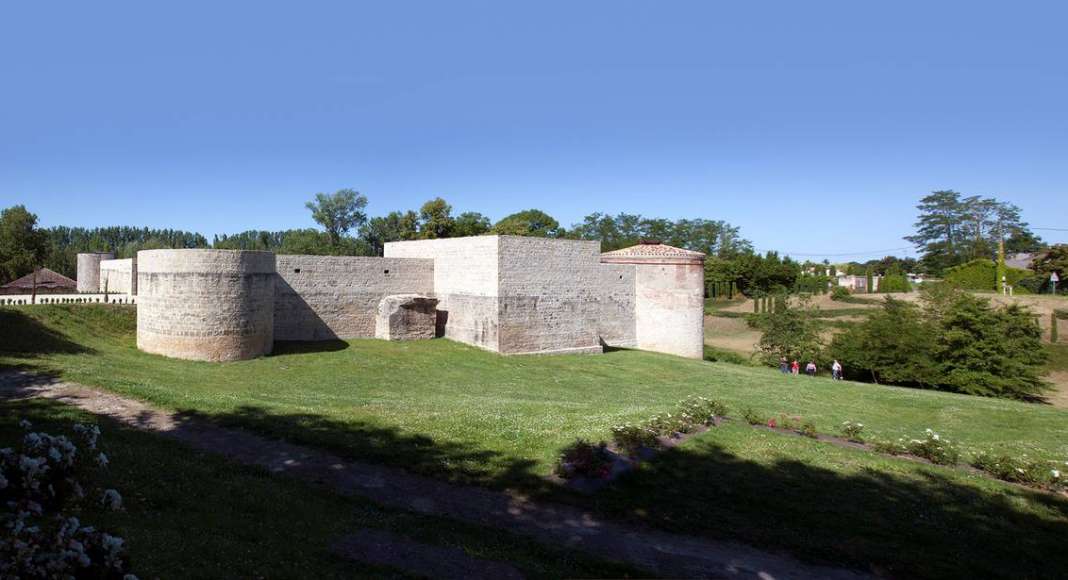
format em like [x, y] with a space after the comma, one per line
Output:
[1056, 475]
[112, 500]
[102, 460]
[935, 436]
[25, 424]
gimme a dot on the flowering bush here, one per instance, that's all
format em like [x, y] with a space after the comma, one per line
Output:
[808, 429]
[933, 447]
[853, 431]
[1034, 473]
[584, 459]
[668, 425]
[698, 411]
[632, 438]
[37, 484]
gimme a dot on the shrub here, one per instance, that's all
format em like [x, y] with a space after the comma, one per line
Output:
[668, 425]
[633, 438]
[41, 485]
[934, 448]
[752, 417]
[982, 274]
[1020, 470]
[701, 411]
[839, 294]
[584, 459]
[808, 429]
[853, 431]
[891, 447]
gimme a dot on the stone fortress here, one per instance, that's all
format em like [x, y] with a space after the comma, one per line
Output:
[506, 294]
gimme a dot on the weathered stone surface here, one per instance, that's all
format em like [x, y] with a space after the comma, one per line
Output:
[406, 317]
[118, 276]
[214, 305]
[668, 299]
[507, 294]
[337, 297]
[89, 270]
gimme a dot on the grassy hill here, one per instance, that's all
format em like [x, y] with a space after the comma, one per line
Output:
[457, 412]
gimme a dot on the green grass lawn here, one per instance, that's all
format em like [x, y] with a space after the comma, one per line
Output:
[453, 411]
[195, 515]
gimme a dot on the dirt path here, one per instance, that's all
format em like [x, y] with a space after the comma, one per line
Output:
[660, 553]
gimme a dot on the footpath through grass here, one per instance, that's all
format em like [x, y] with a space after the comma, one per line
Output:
[452, 411]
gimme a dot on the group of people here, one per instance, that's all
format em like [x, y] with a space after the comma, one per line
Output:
[794, 368]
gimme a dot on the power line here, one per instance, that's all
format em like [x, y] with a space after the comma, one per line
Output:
[1052, 229]
[843, 254]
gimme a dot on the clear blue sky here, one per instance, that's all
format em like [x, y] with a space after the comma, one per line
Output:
[815, 126]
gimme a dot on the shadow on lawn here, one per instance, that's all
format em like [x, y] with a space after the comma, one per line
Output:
[24, 336]
[290, 347]
[359, 441]
[925, 526]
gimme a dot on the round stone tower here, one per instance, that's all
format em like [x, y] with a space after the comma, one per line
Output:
[89, 270]
[669, 288]
[212, 305]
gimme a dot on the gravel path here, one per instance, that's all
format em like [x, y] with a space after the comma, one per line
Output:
[663, 554]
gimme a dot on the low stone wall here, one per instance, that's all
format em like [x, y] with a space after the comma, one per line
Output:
[213, 305]
[332, 297]
[118, 276]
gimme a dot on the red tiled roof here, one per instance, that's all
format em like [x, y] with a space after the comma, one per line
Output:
[652, 251]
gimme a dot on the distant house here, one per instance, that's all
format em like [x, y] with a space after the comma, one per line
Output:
[48, 282]
[1022, 260]
[858, 284]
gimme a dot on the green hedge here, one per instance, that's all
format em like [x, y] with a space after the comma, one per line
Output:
[982, 274]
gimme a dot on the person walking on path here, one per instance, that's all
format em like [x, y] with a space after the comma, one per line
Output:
[836, 370]
[784, 365]
[795, 367]
[810, 369]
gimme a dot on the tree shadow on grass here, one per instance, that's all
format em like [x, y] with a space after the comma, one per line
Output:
[365, 442]
[24, 336]
[927, 525]
[923, 524]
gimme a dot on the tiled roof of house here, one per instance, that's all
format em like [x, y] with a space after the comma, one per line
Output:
[46, 279]
[652, 250]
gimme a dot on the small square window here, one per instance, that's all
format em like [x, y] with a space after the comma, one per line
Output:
[386, 272]
[296, 270]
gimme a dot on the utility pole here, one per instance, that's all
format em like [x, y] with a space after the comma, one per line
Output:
[33, 294]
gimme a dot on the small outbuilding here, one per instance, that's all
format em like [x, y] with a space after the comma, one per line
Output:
[46, 281]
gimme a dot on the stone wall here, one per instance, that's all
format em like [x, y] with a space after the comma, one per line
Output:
[214, 305]
[89, 270]
[332, 297]
[615, 323]
[669, 309]
[550, 295]
[466, 275]
[119, 276]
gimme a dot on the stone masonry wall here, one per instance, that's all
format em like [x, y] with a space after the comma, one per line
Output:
[550, 295]
[118, 276]
[669, 313]
[214, 305]
[466, 275]
[89, 270]
[616, 321]
[331, 297]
